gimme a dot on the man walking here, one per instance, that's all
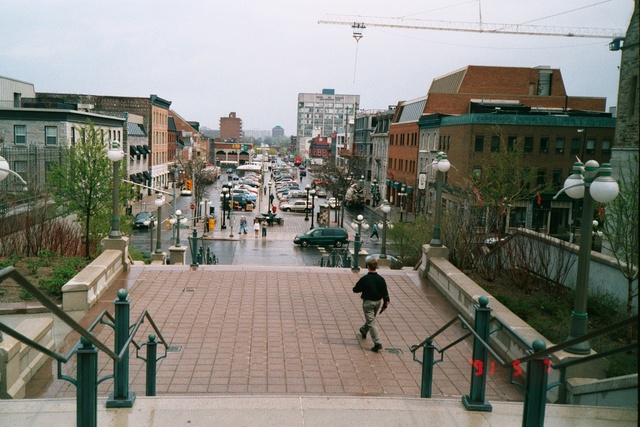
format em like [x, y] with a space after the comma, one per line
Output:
[375, 231]
[374, 294]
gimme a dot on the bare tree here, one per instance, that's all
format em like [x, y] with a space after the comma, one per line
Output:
[620, 225]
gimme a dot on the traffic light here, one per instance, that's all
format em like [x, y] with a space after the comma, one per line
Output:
[187, 185]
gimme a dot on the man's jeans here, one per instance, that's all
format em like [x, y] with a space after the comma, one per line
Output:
[370, 309]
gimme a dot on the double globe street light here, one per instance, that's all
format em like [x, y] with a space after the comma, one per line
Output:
[441, 165]
[386, 208]
[358, 223]
[177, 221]
[588, 182]
[115, 154]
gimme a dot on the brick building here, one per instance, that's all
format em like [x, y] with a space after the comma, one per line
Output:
[231, 128]
[155, 117]
[460, 114]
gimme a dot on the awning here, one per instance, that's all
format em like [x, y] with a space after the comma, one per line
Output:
[145, 149]
[133, 177]
[133, 150]
[140, 176]
[147, 175]
[180, 143]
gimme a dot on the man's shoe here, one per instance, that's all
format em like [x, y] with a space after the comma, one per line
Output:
[363, 333]
[376, 348]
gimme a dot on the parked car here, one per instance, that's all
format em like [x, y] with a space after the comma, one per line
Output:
[295, 206]
[321, 192]
[143, 219]
[324, 236]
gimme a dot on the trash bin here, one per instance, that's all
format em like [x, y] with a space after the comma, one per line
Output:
[212, 223]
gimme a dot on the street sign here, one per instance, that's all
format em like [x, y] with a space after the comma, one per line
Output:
[192, 206]
[422, 181]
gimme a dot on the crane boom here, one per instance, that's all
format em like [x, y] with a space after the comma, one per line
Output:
[472, 27]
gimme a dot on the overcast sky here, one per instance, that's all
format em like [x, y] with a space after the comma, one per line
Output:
[211, 57]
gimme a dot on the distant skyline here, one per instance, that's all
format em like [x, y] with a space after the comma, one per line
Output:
[254, 58]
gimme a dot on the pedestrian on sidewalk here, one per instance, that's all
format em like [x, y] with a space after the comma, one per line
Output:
[374, 294]
[243, 225]
[264, 228]
[256, 227]
[375, 231]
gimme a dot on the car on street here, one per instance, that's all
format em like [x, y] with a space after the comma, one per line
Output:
[321, 192]
[323, 236]
[143, 219]
[295, 206]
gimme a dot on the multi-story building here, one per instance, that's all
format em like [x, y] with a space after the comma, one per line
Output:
[231, 128]
[624, 155]
[549, 140]
[323, 114]
[277, 131]
[444, 121]
[380, 154]
[154, 111]
[33, 139]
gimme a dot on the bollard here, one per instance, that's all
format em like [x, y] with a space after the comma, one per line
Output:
[121, 397]
[200, 255]
[152, 350]
[476, 400]
[427, 369]
[536, 394]
[209, 257]
[87, 385]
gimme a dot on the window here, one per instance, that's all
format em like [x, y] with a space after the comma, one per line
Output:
[557, 178]
[479, 143]
[50, 135]
[511, 143]
[541, 178]
[591, 146]
[20, 166]
[575, 145]
[544, 144]
[528, 144]
[559, 145]
[606, 146]
[495, 143]
[20, 135]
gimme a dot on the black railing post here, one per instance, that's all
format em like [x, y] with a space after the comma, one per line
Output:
[152, 350]
[121, 397]
[476, 400]
[536, 394]
[87, 385]
[427, 369]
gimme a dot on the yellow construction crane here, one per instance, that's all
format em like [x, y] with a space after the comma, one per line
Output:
[358, 23]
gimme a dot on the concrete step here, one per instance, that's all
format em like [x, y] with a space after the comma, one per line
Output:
[171, 411]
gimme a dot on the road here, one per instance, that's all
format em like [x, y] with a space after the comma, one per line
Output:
[245, 250]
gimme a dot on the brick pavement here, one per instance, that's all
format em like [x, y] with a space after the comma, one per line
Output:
[282, 330]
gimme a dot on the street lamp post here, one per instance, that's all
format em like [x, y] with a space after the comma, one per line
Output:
[159, 201]
[151, 224]
[589, 182]
[175, 169]
[313, 205]
[442, 165]
[177, 221]
[360, 223]
[386, 208]
[115, 154]
[374, 192]
[307, 188]
[402, 194]
[225, 191]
